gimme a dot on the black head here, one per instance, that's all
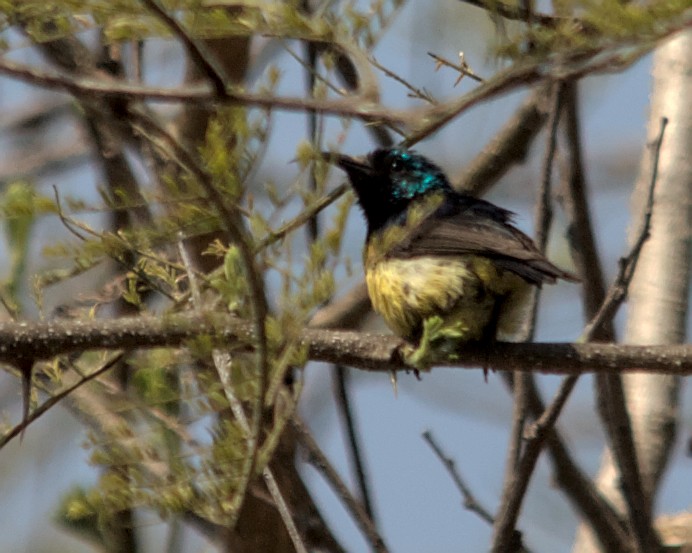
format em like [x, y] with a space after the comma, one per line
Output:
[388, 180]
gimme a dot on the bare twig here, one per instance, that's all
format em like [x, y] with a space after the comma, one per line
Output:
[613, 403]
[470, 501]
[422, 122]
[518, 468]
[305, 215]
[520, 13]
[436, 117]
[345, 68]
[195, 49]
[66, 223]
[352, 76]
[343, 401]
[462, 68]
[580, 234]
[578, 487]
[355, 106]
[510, 146]
[600, 515]
[627, 265]
[416, 92]
[549, 416]
[328, 316]
[319, 460]
[613, 300]
[54, 400]
[510, 507]
[544, 212]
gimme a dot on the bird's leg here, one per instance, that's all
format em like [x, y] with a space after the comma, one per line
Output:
[438, 342]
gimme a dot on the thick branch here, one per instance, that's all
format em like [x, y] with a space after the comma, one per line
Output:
[43, 340]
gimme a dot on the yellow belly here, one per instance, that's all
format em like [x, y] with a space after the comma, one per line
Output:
[468, 292]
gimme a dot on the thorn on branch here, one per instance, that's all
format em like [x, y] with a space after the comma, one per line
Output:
[54, 400]
[463, 68]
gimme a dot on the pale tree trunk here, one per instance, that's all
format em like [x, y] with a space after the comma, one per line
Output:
[658, 294]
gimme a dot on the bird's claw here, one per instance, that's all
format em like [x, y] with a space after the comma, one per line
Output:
[438, 343]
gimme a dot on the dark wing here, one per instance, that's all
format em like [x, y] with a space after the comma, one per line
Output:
[465, 225]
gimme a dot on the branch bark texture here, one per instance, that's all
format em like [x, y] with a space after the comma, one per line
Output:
[44, 340]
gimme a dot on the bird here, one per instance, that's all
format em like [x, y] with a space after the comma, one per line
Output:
[440, 264]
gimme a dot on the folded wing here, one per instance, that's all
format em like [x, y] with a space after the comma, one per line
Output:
[463, 225]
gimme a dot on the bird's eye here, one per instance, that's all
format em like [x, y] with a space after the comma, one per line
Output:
[395, 166]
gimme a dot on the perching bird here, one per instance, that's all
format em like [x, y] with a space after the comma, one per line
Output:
[433, 252]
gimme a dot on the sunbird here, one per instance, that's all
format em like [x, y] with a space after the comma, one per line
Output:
[432, 253]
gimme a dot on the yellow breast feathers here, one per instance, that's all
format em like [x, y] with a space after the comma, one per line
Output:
[473, 297]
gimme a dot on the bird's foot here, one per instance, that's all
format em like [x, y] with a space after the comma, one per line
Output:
[438, 343]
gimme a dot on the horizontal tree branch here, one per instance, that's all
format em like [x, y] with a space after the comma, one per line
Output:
[29, 341]
[359, 105]
[422, 122]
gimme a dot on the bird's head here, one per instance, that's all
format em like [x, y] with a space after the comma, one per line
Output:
[388, 180]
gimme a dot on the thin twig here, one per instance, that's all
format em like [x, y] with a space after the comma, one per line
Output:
[415, 91]
[613, 404]
[520, 13]
[311, 71]
[343, 401]
[434, 118]
[614, 298]
[275, 236]
[423, 122]
[305, 215]
[508, 147]
[319, 460]
[352, 72]
[54, 400]
[578, 487]
[67, 224]
[580, 232]
[358, 105]
[627, 265]
[195, 49]
[470, 501]
[463, 67]
[518, 469]
[602, 518]
[544, 212]
[222, 364]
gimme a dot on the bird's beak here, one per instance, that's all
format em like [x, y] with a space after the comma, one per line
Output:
[354, 167]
